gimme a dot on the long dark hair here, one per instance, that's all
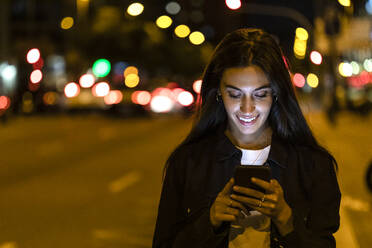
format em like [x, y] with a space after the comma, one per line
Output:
[246, 47]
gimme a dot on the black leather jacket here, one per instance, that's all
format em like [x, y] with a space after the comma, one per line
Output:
[198, 172]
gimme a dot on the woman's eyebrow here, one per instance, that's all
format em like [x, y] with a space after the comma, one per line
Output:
[259, 88]
[263, 87]
[233, 87]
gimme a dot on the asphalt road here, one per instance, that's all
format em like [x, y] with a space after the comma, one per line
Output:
[91, 181]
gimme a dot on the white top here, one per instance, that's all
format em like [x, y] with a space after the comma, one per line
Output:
[254, 230]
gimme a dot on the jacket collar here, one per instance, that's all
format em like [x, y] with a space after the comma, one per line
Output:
[225, 149]
[278, 151]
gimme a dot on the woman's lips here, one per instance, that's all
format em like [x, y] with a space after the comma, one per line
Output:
[247, 121]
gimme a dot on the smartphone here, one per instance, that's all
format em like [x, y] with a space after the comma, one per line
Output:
[244, 173]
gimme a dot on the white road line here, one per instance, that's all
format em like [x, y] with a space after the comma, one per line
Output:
[124, 182]
[355, 204]
[8, 245]
[345, 236]
[103, 237]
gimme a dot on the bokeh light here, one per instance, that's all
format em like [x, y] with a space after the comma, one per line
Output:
[33, 87]
[132, 80]
[173, 8]
[135, 9]
[233, 4]
[164, 21]
[38, 64]
[367, 64]
[101, 89]
[299, 48]
[182, 31]
[33, 55]
[301, 33]
[161, 104]
[86, 80]
[67, 22]
[176, 92]
[316, 57]
[345, 3]
[196, 86]
[36, 76]
[345, 69]
[9, 72]
[141, 97]
[162, 92]
[356, 67]
[50, 98]
[4, 102]
[368, 7]
[113, 97]
[101, 67]
[27, 102]
[298, 80]
[185, 98]
[312, 80]
[71, 90]
[130, 70]
[196, 38]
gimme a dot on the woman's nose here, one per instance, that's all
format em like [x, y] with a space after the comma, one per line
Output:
[247, 105]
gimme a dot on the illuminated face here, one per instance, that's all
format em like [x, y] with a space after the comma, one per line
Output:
[247, 98]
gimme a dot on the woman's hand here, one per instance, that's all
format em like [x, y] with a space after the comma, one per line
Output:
[271, 204]
[224, 208]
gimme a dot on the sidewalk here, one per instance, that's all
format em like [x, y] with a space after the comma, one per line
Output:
[350, 142]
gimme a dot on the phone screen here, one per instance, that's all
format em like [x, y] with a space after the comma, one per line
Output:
[244, 173]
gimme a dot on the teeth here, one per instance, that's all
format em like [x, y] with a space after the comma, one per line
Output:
[247, 119]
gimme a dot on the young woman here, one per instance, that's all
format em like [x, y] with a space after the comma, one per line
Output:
[248, 115]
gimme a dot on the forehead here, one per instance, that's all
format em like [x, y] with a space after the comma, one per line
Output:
[245, 77]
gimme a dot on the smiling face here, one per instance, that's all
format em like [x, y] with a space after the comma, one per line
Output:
[247, 98]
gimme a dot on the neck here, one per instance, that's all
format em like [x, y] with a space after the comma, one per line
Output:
[252, 142]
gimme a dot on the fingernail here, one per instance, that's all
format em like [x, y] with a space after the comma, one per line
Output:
[232, 196]
[253, 179]
[235, 188]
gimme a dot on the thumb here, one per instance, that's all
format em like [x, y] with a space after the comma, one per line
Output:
[227, 189]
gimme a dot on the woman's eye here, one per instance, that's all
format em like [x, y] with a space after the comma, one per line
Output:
[234, 95]
[261, 94]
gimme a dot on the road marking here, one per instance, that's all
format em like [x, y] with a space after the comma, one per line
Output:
[345, 236]
[107, 236]
[124, 182]
[8, 245]
[355, 204]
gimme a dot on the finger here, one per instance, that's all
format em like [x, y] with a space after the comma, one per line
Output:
[276, 185]
[226, 190]
[227, 201]
[240, 206]
[248, 191]
[225, 217]
[253, 202]
[232, 211]
[262, 183]
[272, 197]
